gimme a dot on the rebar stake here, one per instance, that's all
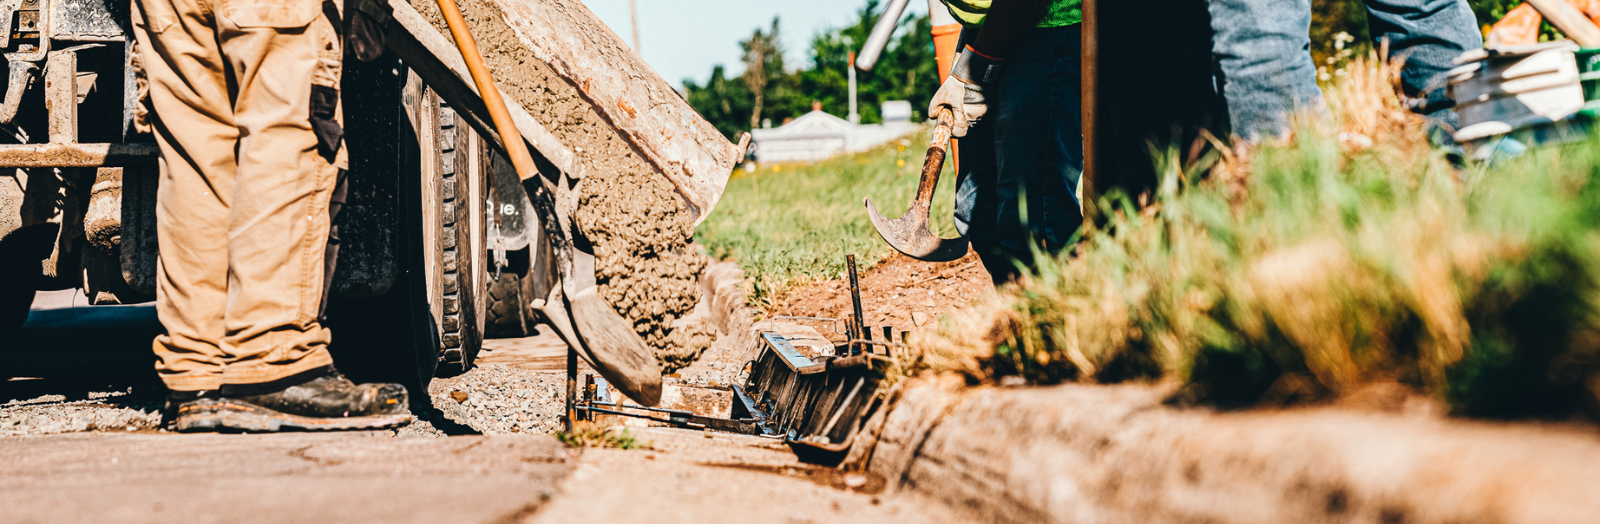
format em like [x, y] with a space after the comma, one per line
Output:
[855, 300]
[572, 387]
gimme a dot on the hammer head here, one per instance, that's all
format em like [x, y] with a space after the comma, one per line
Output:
[909, 234]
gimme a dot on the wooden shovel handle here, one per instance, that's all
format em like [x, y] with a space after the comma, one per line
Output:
[1569, 20]
[516, 149]
[934, 162]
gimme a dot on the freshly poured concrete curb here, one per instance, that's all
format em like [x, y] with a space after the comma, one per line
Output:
[723, 286]
[1095, 453]
[1087, 453]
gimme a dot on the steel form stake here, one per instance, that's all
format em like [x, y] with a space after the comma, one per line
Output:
[1090, 108]
[860, 324]
[572, 387]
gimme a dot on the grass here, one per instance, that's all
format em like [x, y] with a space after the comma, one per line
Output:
[789, 224]
[1313, 267]
[589, 435]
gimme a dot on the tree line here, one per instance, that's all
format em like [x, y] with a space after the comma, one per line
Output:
[767, 90]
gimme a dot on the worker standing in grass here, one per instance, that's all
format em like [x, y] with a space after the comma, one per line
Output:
[245, 102]
[1014, 91]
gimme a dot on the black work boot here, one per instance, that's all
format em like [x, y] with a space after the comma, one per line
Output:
[317, 400]
[190, 411]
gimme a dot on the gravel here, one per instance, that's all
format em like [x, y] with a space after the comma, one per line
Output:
[129, 409]
[495, 399]
[719, 367]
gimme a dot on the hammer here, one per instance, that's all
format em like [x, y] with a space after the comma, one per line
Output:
[909, 234]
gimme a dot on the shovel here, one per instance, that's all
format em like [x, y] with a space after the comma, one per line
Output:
[587, 322]
[909, 234]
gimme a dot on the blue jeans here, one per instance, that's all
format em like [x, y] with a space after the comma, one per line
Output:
[1262, 50]
[1020, 165]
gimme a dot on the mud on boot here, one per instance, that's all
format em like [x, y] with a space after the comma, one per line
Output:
[317, 400]
[190, 411]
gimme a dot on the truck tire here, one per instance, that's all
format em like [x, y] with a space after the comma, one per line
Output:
[506, 303]
[389, 334]
[462, 286]
[528, 276]
[400, 335]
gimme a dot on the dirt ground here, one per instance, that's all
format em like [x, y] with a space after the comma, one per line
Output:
[900, 292]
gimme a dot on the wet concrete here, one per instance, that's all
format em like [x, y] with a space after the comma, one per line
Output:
[629, 210]
[644, 264]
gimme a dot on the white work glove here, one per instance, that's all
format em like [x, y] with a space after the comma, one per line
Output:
[962, 91]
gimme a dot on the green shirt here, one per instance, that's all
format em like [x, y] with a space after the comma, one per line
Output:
[971, 12]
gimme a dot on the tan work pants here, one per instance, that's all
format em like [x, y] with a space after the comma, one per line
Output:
[242, 206]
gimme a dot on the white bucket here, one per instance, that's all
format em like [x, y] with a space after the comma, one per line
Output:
[1501, 90]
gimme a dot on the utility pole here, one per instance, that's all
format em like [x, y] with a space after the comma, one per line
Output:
[633, 16]
[855, 118]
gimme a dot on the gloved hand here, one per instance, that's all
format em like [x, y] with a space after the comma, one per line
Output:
[962, 91]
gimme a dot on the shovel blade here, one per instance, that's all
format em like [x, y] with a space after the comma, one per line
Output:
[614, 348]
[909, 234]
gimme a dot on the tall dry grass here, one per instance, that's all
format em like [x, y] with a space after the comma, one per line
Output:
[1348, 254]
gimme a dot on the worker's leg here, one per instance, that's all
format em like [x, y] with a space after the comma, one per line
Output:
[976, 214]
[1426, 35]
[1021, 164]
[1038, 143]
[1262, 49]
[976, 209]
[277, 235]
[195, 131]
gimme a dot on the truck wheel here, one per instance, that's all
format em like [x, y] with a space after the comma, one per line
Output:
[506, 319]
[20, 255]
[461, 278]
[528, 276]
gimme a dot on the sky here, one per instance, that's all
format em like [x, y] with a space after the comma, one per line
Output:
[685, 38]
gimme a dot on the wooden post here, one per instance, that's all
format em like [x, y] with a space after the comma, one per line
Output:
[1090, 107]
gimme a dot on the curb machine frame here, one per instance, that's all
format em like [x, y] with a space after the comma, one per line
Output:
[815, 404]
[66, 59]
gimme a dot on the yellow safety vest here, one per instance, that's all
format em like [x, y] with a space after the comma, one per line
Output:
[971, 12]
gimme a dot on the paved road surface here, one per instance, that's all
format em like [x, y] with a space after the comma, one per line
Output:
[87, 452]
[98, 478]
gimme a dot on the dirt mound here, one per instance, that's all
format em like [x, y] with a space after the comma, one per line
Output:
[898, 291]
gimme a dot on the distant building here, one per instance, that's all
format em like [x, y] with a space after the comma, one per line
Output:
[819, 136]
[896, 111]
